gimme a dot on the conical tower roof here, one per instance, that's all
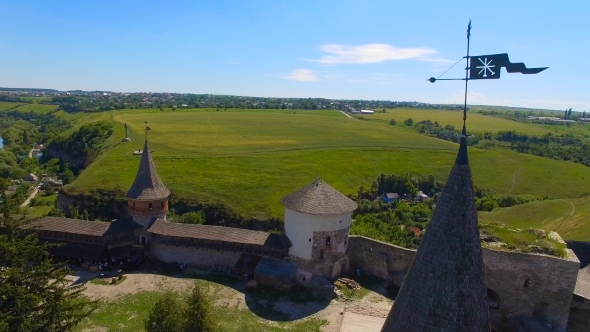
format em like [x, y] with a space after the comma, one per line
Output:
[320, 199]
[147, 185]
[444, 289]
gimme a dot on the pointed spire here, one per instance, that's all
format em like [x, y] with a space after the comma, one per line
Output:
[147, 184]
[444, 288]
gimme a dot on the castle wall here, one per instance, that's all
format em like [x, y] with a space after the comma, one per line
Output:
[194, 256]
[523, 284]
[579, 319]
[300, 228]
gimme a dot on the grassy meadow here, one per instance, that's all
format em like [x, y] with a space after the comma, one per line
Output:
[568, 217]
[475, 122]
[36, 108]
[4, 105]
[249, 159]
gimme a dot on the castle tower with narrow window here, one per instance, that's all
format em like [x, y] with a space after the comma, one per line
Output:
[147, 197]
[317, 222]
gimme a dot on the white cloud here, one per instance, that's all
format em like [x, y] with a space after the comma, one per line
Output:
[304, 75]
[234, 63]
[370, 53]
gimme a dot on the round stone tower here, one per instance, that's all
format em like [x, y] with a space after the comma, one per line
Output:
[317, 222]
[147, 197]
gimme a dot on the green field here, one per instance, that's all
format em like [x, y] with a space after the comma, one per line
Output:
[6, 105]
[248, 160]
[568, 217]
[37, 108]
[475, 122]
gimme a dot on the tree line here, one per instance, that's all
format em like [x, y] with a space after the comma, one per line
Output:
[399, 221]
[566, 147]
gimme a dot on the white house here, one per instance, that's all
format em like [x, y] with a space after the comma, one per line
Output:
[367, 112]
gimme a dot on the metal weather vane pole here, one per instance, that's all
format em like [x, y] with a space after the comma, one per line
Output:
[466, 79]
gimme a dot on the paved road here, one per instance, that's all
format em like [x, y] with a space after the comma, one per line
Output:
[33, 194]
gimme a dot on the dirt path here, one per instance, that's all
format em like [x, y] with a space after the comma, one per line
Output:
[138, 282]
[348, 116]
[513, 181]
[28, 200]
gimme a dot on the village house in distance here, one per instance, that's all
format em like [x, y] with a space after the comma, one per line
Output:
[518, 290]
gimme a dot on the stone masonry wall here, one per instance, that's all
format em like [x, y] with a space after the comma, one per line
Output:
[579, 320]
[337, 243]
[194, 256]
[378, 258]
[549, 281]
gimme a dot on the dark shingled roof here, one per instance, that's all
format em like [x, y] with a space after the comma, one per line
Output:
[73, 226]
[219, 233]
[319, 198]
[444, 288]
[583, 283]
[147, 185]
[83, 227]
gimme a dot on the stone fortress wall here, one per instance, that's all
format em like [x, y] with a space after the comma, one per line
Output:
[194, 256]
[519, 285]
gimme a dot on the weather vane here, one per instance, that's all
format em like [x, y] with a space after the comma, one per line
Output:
[147, 128]
[484, 67]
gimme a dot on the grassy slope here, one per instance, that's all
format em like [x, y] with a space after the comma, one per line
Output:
[475, 122]
[37, 108]
[568, 217]
[249, 160]
[6, 105]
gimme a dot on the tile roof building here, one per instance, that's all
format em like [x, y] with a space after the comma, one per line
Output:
[444, 288]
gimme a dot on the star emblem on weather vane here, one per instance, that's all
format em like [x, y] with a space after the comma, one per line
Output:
[486, 66]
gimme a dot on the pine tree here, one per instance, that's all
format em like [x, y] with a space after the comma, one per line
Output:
[199, 312]
[34, 293]
[165, 316]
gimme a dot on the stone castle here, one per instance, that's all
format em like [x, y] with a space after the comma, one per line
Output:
[449, 284]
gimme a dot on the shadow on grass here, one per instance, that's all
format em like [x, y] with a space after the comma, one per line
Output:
[271, 304]
[375, 284]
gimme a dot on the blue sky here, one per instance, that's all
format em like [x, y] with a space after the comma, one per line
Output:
[332, 49]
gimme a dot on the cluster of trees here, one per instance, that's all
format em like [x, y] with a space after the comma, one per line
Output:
[521, 115]
[195, 218]
[566, 147]
[20, 131]
[34, 292]
[81, 147]
[172, 315]
[14, 99]
[397, 222]
[101, 101]
[390, 222]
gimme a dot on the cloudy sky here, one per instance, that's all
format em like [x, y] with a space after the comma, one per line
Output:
[332, 49]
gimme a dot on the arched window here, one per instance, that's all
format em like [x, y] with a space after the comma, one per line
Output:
[151, 206]
[133, 205]
[327, 240]
[321, 253]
